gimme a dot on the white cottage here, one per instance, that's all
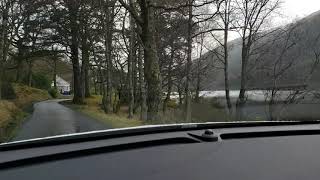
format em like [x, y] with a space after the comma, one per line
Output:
[63, 86]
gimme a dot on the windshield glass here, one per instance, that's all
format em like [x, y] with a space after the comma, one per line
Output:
[69, 66]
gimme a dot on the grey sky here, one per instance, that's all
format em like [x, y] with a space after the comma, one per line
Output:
[290, 10]
[301, 8]
[296, 9]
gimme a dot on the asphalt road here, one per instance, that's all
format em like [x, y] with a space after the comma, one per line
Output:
[51, 118]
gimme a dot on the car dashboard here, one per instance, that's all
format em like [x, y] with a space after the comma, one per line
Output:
[254, 152]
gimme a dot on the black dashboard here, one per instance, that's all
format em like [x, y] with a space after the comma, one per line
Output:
[289, 152]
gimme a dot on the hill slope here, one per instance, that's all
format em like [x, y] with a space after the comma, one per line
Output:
[289, 51]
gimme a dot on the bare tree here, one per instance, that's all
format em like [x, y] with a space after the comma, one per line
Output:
[286, 54]
[280, 67]
[226, 19]
[251, 15]
[193, 21]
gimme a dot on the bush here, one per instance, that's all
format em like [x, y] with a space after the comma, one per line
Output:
[7, 91]
[27, 95]
[172, 104]
[53, 92]
[41, 81]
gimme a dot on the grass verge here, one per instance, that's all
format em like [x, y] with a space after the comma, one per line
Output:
[13, 112]
[93, 109]
[200, 113]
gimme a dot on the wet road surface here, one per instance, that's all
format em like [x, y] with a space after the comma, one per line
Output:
[51, 118]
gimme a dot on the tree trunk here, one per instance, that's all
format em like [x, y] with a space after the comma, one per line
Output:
[130, 69]
[73, 7]
[170, 83]
[98, 75]
[199, 71]
[135, 79]
[95, 81]
[242, 98]
[188, 68]
[85, 67]
[271, 105]
[30, 65]
[151, 68]
[143, 99]
[3, 43]
[180, 95]
[87, 82]
[101, 81]
[108, 29]
[19, 70]
[54, 76]
[226, 58]
[19, 60]
[96, 89]
[198, 88]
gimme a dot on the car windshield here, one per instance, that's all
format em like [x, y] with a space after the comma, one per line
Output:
[70, 66]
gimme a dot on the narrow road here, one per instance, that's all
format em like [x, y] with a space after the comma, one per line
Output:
[51, 118]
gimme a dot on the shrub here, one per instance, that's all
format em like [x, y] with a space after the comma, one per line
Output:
[10, 117]
[41, 81]
[172, 104]
[53, 92]
[27, 95]
[7, 91]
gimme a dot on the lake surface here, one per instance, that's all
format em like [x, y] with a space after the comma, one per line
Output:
[257, 95]
[299, 106]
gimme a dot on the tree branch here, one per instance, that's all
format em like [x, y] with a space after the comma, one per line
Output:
[132, 11]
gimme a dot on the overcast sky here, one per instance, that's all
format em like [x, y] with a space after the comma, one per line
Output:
[290, 10]
[299, 8]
